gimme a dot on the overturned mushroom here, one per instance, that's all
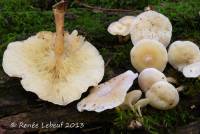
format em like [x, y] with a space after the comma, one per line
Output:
[162, 95]
[131, 98]
[55, 66]
[151, 25]
[183, 53]
[149, 54]
[109, 94]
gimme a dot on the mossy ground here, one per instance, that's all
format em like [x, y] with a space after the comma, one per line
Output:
[20, 19]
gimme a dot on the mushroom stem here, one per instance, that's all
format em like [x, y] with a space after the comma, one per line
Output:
[59, 12]
[141, 103]
[180, 88]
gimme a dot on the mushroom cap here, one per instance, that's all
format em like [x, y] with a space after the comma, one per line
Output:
[149, 53]
[34, 61]
[109, 94]
[117, 28]
[151, 25]
[148, 77]
[183, 53]
[162, 95]
[192, 70]
[128, 21]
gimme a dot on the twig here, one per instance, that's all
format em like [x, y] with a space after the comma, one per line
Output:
[100, 9]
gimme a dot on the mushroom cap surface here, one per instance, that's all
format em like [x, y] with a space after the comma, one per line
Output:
[33, 60]
[149, 53]
[151, 25]
[117, 28]
[109, 94]
[183, 53]
[128, 21]
[162, 95]
[148, 77]
[192, 70]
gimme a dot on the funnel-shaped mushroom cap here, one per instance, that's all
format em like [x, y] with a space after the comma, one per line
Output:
[162, 95]
[148, 77]
[149, 54]
[152, 25]
[34, 60]
[109, 94]
[183, 53]
[192, 70]
[117, 28]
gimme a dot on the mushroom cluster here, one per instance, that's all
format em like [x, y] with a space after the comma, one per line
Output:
[151, 34]
[58, 66]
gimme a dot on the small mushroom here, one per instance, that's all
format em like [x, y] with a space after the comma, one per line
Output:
[117, 28]
[122, 28]
[149, 53]
[151, 25]
[109, 94]
[131, 98]
[183, 53]
[149, 76]
[162, 95]
[192, 70]
[127, 21]
[55, 66]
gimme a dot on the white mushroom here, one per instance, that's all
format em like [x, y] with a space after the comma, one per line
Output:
[127, 21]
[55, 66]
[149, 54]
[131, 98]
[151, 25]
[162, 95]
[149, 76]
[117, 28]
[109, 94]
[122, 26]
[192, 70]
[183, 53]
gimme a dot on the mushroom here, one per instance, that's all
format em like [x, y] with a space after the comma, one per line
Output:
[162, 95]
[122, 28]
[149, 76]
[117, 28]
[151, 25]
[192, 70]
[55, 66]
[131, 98]
[183, 53]
[149, 53]
[109, 94]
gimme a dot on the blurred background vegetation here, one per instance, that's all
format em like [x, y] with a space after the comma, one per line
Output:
[20, 19]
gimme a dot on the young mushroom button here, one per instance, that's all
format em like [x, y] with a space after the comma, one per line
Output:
[55, 66]
[149, 53]
[109, 94]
